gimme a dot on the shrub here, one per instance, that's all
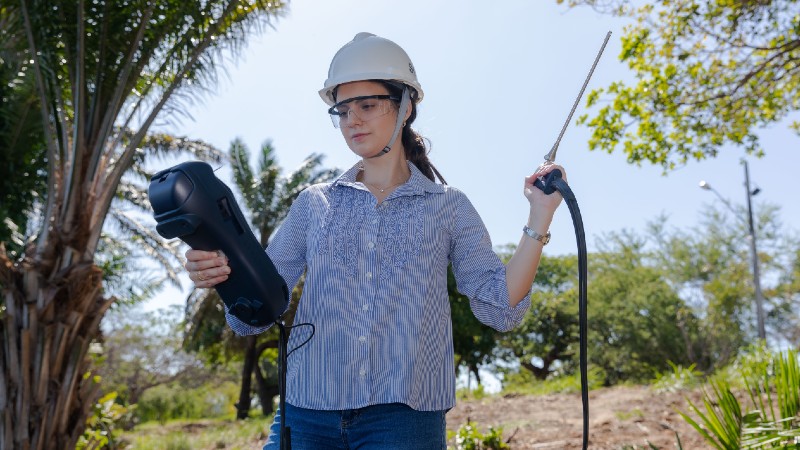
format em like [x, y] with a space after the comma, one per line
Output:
[681, 378]
[468, 437]
[167, 402]
[101, 431]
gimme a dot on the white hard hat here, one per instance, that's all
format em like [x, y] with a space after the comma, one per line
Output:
[370, 57]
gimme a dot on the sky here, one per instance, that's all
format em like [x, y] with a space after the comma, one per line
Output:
[499, 80]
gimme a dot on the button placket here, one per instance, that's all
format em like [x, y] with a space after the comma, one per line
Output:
[368, 290]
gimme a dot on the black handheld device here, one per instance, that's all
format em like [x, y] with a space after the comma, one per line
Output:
[189, 202]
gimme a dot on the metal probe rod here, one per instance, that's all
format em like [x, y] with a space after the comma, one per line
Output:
[551, 156]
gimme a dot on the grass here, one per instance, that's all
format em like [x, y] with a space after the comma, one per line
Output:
[636, 413]
[210, 434]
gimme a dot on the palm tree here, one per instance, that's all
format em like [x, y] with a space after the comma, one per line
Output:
[267, 197]
[103, 72]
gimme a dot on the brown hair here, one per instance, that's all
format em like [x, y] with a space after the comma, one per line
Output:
[414, 144]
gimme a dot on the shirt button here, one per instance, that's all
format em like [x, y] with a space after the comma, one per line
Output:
[369, 274]
[362, 372]
[365, 307]
[362, 339]
[371, 245]
[374, 221]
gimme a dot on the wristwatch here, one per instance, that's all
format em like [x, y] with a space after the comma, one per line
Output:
[543, 239]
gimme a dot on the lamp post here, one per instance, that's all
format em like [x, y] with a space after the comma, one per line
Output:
[762, 334]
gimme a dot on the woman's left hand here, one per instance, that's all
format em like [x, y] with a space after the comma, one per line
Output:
[535, 196]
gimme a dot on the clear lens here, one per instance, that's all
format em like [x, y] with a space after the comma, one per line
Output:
[362, 108]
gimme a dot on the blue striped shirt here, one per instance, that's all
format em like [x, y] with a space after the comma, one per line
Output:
[376, 292]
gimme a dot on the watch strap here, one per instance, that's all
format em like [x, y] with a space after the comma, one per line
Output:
[544, 239]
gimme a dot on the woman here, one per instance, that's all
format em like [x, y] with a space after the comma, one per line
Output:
[375, 244]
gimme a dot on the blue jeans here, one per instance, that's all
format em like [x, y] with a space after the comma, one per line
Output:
[387, 427]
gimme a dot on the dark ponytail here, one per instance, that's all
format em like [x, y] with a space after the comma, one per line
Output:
[414, 144]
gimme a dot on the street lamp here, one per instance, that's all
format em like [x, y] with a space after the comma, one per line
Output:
[762, 334]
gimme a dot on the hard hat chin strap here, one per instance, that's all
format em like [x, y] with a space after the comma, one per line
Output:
[401, 114]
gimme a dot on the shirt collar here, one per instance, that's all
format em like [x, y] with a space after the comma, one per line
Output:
[418, 184]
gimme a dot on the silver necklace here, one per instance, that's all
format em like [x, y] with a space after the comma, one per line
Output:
[360, 177]
[384, 189]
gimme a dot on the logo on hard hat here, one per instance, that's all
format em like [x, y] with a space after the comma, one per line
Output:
[410, 67]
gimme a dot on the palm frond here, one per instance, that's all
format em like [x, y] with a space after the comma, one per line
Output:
[122, 277]
[147, 243]
[309, 173]
[135, 195]
[787, 384]
[268, 175]
[23, 160]
[162, 145]
[242, 173]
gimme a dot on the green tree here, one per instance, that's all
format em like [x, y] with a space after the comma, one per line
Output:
[103, 72]
[634, 316]
[708, 74]
[142, 350]
[473, 342]
[267, 199]
[548, 336]
[710, 266]
[637, 320]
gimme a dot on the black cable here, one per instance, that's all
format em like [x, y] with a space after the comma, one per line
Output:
[283, 358]
[553, 182]
[313, 330]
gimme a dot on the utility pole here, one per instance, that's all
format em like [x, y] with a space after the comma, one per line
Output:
[762, 332]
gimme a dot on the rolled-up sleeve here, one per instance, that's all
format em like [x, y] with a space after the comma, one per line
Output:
[287, 250]
[479, 272]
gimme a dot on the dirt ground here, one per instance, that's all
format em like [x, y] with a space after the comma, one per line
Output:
[622, 417]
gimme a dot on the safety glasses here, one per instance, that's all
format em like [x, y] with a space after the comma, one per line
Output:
[363, 108]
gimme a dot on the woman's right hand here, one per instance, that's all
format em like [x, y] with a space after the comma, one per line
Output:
[207, 269]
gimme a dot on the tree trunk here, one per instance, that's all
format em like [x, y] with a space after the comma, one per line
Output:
[266, 392]
[474, 369]
[47, 324]
[243, 407]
